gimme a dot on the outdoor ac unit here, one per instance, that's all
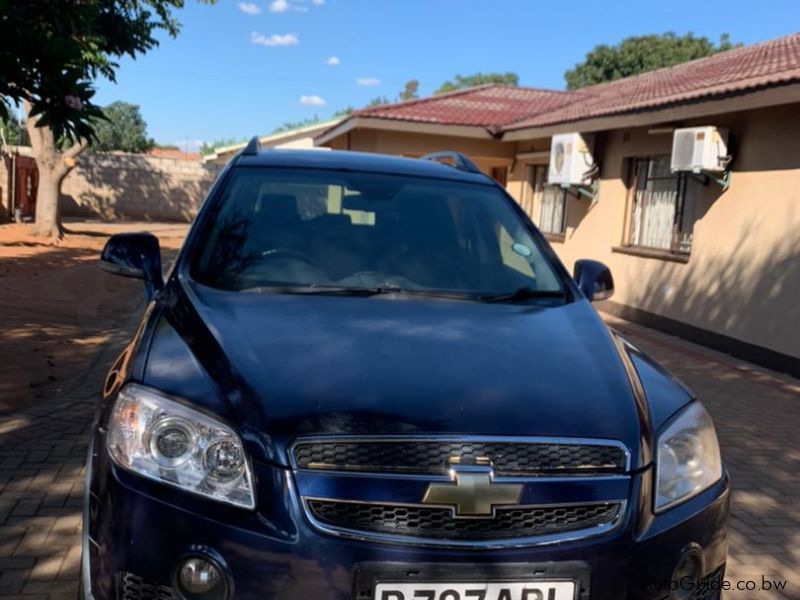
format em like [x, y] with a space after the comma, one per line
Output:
[571, 160]
[699, 149]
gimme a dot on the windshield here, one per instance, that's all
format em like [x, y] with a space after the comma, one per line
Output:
[320, 229]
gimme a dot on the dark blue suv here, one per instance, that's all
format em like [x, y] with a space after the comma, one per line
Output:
[370, 378]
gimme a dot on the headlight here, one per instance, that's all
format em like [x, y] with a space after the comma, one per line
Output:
[164, 440]
[688, 459]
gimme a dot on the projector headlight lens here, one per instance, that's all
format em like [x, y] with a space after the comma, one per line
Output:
[688, 459]
[162, 439]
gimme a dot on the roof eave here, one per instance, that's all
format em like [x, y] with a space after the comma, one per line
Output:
[773, 95]
[399, 125]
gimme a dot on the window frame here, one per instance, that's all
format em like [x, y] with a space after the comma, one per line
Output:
[676, 248]
[531, 176]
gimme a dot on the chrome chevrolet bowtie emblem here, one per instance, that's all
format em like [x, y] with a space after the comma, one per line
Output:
[472, 492]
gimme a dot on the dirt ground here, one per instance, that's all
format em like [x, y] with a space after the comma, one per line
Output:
[57, 308]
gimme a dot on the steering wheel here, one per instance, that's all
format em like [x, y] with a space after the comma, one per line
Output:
[290, 254]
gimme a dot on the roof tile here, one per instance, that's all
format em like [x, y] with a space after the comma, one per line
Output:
[490, 106]
[500, 107]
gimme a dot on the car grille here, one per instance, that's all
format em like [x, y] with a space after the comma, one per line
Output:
[432, 457]
[133, 587]
[439, 523]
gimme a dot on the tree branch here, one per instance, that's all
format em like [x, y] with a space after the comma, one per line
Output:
[74, 150]
[34, 132]
[67, 157]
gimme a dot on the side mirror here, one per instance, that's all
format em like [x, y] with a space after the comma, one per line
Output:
[594, 279]
[136, 255]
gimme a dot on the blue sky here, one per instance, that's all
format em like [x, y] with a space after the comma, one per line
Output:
[244, 67]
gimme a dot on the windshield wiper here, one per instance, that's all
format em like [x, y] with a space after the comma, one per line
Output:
[522, 294]
[332, 290]
[344, 290]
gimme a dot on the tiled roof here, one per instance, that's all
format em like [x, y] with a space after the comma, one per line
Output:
[769, 63]
[490, 106]
[173, 153]
[505, 108]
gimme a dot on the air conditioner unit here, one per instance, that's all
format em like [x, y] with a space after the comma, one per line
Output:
[571, 160]
[699, 149]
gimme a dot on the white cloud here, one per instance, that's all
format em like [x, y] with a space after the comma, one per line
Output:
[279, 6]
[317, 2]
[312, 100]
[333, 61]
[282, 6]
[368, 81]
[288, 39]
[249, 8]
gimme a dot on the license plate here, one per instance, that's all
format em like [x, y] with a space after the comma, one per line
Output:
[534, 590]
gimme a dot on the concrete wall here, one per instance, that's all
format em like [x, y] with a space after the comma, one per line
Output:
[136, 186]
[742, 278]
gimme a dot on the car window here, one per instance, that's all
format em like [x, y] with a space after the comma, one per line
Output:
[278, 227]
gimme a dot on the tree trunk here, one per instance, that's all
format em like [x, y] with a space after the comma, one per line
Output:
[48, 215]
[53, 166]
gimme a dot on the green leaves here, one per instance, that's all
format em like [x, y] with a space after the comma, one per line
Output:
[461, 82]
[121, 128]
[51, 53]
[639, 54]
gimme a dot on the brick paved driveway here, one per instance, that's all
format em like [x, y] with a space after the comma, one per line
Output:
[757, 415]
[42, 450]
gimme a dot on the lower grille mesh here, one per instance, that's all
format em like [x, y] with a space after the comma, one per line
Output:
[439, 523]
[134, 587]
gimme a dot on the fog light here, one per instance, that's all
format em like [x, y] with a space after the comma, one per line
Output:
[201, 579]
[686, 576]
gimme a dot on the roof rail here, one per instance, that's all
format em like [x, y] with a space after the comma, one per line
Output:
[454, 159]
[253, 146]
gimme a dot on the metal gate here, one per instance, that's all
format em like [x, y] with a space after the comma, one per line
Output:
[26, 184]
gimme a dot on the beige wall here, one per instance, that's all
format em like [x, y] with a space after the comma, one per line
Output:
[136, 186]
[486, 153]
[743, 275]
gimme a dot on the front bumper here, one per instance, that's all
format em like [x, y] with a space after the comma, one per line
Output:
[143, 529]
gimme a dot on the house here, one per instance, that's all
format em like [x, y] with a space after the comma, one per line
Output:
[712, 257]
[298, 138]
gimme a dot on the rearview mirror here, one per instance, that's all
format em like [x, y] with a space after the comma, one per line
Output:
[136, 255]
[594, 279]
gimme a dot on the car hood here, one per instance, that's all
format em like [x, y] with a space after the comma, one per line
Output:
[293, 365]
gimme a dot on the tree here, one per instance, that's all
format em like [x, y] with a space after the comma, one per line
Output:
[343, 112]
[53, 163]
[123, 129]
[290, 125]
[468, 81]
[410, 91]
[51, 53]
[639, 54]
[211, 147]
[378, 101]
[14, 134]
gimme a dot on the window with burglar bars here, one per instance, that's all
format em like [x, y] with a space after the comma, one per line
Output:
[663, 206]
[552, 202]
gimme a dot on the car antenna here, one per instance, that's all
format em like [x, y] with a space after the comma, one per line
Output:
[253, 147]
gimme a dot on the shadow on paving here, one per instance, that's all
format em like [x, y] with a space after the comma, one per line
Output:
[65, 321]
[757, 416]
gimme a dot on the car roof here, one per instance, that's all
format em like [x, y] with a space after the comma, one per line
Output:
[341, 160]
